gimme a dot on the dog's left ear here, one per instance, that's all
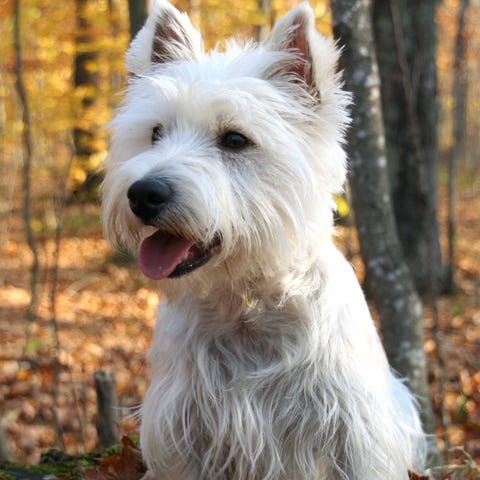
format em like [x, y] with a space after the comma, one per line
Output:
[167, 36]
[295, 33]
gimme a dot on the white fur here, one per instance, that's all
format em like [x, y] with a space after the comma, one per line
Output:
[265, 361]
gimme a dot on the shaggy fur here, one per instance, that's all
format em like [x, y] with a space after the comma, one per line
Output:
[265, 361]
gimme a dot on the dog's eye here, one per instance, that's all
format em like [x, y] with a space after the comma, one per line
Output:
[157, 133]
[234, 141]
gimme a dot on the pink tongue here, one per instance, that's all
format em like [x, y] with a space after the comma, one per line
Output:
[161, 253]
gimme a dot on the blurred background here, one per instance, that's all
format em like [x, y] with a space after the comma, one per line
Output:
[69, 306]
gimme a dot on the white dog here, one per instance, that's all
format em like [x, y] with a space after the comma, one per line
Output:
[265, 361]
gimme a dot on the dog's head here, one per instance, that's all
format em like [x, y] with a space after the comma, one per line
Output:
[226, 157]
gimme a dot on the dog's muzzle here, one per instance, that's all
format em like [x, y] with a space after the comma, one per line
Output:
[165, 254]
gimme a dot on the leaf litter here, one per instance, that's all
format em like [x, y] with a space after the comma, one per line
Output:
[104, 317]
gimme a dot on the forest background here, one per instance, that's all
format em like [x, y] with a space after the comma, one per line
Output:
[69, 306]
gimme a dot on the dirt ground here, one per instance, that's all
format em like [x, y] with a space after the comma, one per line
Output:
[100, 317]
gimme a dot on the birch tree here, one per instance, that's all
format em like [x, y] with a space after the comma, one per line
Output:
[393, 291]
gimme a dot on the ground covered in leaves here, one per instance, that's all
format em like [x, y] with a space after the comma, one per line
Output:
[100, 317]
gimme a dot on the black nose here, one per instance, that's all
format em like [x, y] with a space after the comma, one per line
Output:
[147, 197]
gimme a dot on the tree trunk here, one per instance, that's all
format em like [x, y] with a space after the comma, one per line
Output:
[107, 401]
[393, 292]
[265, 10]
[86, 133]
[138, 12]
[405, 41]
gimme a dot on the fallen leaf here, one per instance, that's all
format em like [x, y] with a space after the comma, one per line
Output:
[124, 465]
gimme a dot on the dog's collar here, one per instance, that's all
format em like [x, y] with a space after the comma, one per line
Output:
[247, 301]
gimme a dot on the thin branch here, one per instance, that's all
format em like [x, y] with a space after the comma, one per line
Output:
[8, 163]
[458, 137]
[60, 202]
[27, 146]
[59, 206]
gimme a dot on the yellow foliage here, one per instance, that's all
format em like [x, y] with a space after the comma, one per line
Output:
[51, 36]
[77, 176]
[343, 208]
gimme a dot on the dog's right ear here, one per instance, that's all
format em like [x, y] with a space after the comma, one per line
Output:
[167, 36]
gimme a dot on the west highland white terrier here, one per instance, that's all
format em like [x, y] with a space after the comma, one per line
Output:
[265, 361]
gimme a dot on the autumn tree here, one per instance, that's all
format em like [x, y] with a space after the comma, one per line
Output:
[87, 137]
[265, 9]
[405, 43]
[393, 291]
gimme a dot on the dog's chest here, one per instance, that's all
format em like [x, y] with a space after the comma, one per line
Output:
[248, 398]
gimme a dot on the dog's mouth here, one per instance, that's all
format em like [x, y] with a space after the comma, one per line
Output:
[165, 255]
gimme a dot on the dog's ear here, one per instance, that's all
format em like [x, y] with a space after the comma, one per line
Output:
[167, 36]
[295, 33]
